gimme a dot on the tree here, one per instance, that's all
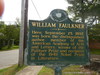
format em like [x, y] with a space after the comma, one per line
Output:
[2, 36]
[18, 22]
[94, 32]
[86, 11]
[11, 33]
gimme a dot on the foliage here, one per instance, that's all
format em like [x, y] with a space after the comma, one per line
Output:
[94, 32]
[11, 70]
[17, 22]
[2, 36]
[9, 35]
[86, 11]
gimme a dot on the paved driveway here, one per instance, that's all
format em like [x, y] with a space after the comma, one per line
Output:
[8, 58]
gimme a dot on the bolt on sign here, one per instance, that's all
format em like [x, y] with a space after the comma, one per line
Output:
[57, 40]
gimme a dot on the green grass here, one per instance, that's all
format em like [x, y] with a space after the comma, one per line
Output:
[11, 70]
[95, 51]
[71, 70]
[12, 48]
[46, 71]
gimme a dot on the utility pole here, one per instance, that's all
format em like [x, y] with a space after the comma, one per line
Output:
[23, 31]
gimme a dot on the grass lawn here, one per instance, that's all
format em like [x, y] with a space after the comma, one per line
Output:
[95, 51]
[46, 71]
[71, 70]
[12, 48]
[11, 70]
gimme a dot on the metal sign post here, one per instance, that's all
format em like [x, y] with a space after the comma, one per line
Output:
[58, 71]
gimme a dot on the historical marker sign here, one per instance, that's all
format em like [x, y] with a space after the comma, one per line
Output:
[57, 40]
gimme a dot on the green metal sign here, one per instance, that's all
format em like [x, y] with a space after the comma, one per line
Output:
[57, 40]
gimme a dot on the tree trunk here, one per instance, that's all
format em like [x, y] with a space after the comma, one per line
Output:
[9, 44]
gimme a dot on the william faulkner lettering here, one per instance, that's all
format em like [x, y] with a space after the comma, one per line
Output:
[61, 25]
[41, 24]
[53, 42]
[54, 25]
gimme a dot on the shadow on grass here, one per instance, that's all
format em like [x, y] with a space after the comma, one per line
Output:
[11, 70]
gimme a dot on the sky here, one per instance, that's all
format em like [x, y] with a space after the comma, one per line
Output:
[44, 7]
[12, 10]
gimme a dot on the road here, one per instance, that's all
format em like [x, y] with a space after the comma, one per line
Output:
[8, 58]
